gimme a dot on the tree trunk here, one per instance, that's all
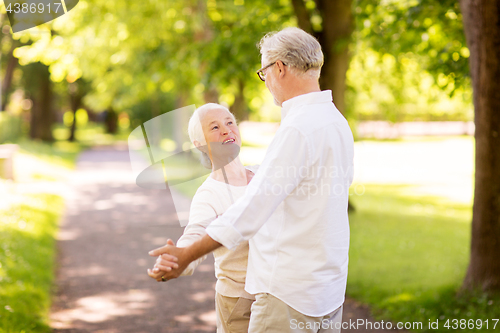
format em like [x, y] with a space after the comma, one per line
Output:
[111, 121]
[302, 14]
[239, 107]
[42, 114]
[335, 36]
[211, 95]
[72, 129]
[482, 32]
[75, 101]
[9, 72]
[180, 135]
[338, 25]
[34, 117]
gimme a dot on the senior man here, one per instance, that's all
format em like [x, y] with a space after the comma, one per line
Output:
[297, 266]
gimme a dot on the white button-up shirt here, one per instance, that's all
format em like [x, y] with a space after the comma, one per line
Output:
[300, 254]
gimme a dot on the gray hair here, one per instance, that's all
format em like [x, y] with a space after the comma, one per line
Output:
[195, 130]
[296, 48]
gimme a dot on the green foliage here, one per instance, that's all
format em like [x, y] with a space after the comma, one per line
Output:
[431, 29]
[177, 48]
[27, 236]
[424, 244]
[409, 57]
[384, 87]
[231, 53]
[147, 109]
[410, 62]
[10, 127]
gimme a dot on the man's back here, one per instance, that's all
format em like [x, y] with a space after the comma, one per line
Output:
[303, 258]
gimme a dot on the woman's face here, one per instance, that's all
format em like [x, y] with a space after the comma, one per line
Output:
[219, 126]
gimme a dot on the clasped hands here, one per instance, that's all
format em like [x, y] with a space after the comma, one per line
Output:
[172, 261]
[169, 264]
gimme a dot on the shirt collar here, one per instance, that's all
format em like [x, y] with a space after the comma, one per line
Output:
[310, 98]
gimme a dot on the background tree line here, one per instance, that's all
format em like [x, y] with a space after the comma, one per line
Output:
[390, 60]
[170, 54]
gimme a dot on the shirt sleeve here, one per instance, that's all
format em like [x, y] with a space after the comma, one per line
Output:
[283, 168]
[201, 213]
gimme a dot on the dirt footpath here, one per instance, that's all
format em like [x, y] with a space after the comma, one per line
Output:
[108, 228]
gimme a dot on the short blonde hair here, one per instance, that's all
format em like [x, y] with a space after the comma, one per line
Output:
[195, 130]
[295, 48]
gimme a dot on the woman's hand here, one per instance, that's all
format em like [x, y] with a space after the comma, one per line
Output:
[165, 263]
[184, 256]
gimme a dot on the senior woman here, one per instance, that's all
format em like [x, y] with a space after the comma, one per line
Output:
[211, 128]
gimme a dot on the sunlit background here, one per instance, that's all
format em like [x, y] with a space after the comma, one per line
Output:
[73, 89]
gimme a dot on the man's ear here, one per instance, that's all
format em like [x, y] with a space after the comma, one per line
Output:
[196, 143]
[281, 68]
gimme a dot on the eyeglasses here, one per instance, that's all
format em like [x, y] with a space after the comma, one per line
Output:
[261, 73]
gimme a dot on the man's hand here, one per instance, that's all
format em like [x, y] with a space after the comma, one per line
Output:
[184, 257]
[167, 266]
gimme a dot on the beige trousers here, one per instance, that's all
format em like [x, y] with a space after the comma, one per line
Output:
[233, 314]
[271, 315]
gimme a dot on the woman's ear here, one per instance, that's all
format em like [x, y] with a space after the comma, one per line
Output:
[200, 147]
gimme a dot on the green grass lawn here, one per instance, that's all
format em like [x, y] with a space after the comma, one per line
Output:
[408, 257]
[27, 239]
[60, 153]
[28, 227]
